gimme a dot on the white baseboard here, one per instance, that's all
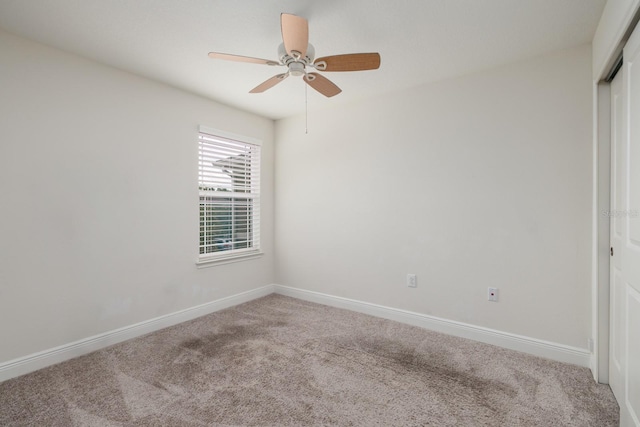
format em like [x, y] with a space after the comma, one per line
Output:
[536, 347]
[554, 351]
[33, 362]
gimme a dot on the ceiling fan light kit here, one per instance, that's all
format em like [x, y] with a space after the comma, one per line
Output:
[297, 54]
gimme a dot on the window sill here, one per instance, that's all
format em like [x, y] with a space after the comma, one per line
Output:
[211, 262]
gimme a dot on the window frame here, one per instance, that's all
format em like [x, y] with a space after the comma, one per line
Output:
[234, 255]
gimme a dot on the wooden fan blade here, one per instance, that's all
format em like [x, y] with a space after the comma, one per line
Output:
[349, 62]
[322, 84]
[295, 34]
[268, 84]
[238, 58]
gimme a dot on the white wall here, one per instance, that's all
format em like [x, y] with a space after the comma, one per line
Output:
[98, 190]
[478, 181]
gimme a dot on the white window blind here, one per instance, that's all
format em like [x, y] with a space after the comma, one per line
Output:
[229, 187]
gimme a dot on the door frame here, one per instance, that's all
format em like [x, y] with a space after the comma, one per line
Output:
[601, 224]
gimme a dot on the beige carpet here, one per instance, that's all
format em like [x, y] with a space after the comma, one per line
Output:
[279, 361]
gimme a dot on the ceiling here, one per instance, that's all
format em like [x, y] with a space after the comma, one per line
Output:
[420, 41]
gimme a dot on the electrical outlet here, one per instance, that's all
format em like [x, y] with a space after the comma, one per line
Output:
[493, 294]
[412, 281]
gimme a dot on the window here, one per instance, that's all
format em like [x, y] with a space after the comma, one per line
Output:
[229, 187]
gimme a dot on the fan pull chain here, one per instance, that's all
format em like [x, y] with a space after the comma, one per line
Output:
[306, 112]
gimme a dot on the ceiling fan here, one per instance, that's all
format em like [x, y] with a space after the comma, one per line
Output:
[296, 53]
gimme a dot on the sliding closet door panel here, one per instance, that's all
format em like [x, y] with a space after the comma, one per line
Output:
[627, 260]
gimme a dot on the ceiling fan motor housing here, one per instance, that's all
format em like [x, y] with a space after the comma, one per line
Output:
[296, 65]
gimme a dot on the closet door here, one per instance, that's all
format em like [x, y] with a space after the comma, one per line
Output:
[624, 368]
